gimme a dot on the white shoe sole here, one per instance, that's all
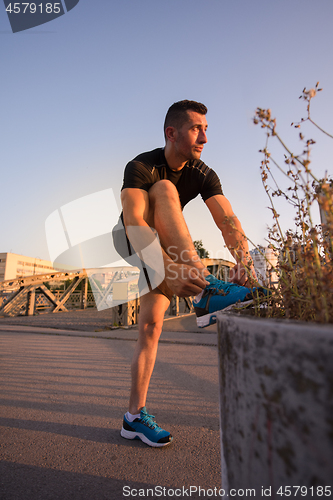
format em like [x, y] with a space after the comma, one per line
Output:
[210, 319]
[135, 435]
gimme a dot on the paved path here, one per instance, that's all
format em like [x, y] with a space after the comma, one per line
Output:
[63, 394]
[93, 320]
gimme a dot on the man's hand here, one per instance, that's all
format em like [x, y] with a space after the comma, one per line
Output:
[240, 276]
[184, 280]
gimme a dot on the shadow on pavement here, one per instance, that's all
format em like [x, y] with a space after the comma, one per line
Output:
[26, 482]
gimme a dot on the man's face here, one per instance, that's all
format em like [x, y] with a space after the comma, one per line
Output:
[191, 137]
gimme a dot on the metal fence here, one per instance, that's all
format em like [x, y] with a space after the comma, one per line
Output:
[30, 296]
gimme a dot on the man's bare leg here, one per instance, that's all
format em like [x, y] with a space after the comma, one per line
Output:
[152, 309]
[170, 224]
[165, 215]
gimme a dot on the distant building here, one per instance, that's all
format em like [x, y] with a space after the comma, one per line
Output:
[264, 259]
[14, 266]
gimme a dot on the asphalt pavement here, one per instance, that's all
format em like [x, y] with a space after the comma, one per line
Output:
[64, 389]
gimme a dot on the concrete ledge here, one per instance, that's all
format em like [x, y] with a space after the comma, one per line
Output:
[276, 408]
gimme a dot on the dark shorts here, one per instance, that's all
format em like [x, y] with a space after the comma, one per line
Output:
[127, 252]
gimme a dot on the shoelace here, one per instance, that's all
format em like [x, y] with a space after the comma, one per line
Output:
[222, 285]
[147, 420]
[219, 287]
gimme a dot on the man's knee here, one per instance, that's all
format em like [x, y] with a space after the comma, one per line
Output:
[163, 188]
[151, 321]
[152, 327]
[152, 309]
[149, 333]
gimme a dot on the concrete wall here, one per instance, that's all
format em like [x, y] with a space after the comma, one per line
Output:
[276, 399]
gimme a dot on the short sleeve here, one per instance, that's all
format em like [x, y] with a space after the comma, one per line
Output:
[136, 175]
[211, 186]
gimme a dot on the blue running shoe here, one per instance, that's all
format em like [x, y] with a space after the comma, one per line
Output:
[146, 429]
[217, 296]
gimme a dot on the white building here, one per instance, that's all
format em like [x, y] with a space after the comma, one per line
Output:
[264, 261]
[14, 266]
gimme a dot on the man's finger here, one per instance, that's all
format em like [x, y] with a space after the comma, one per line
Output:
[190, 290]
[200, 281]
[196, 276]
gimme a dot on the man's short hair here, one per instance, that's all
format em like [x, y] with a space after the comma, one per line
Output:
[177, 113]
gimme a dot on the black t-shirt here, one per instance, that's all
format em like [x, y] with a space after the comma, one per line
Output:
[193, 179]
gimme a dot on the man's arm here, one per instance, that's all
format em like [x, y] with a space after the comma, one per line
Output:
[135, 203]
[233, 235]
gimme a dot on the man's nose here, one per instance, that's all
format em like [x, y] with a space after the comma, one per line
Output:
[203, 137]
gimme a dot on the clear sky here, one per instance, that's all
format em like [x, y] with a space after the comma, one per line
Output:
[85, 93]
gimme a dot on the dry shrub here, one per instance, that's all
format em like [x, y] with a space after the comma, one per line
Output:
[305, 274]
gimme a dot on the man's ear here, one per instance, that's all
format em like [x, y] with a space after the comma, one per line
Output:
[171, 134]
